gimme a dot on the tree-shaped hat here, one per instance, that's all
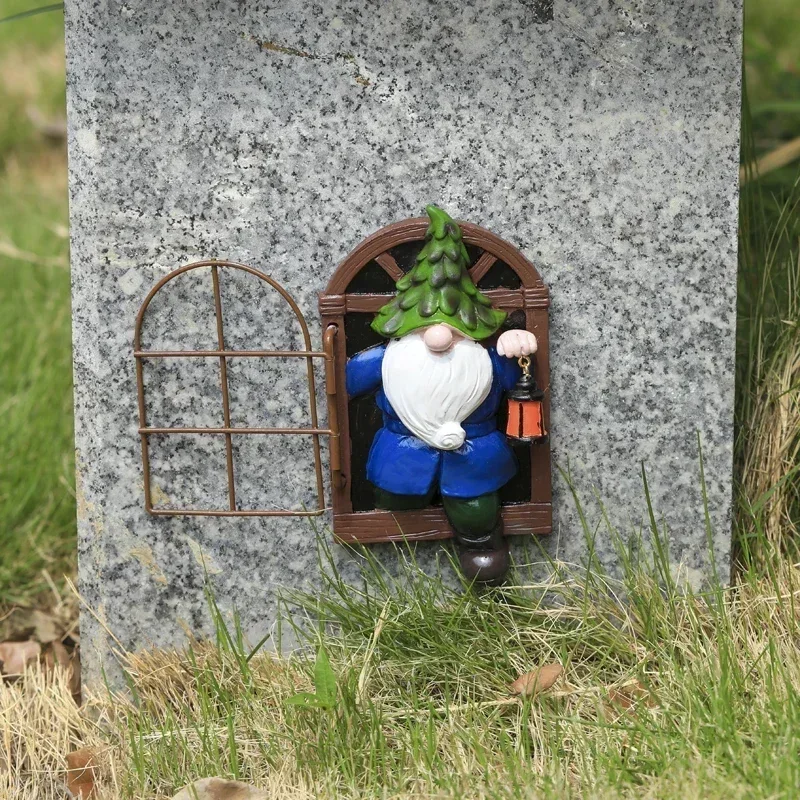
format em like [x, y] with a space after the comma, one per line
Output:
[439, 289]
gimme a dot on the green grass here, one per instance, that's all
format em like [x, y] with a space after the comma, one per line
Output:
[37, 507]
[670, 695]
[772, 71]
[772, 58]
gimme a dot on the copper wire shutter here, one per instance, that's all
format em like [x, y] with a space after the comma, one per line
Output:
[340, 301]
[221, 354]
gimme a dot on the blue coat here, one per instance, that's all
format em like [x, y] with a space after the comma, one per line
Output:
[401, 463]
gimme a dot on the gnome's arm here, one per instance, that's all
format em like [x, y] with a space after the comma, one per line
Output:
[364, 371]
[507, 371]
[511, 345]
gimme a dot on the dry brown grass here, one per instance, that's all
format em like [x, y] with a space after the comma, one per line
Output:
[771, 472]
[39, 724]
[775, 451]
[721, 681]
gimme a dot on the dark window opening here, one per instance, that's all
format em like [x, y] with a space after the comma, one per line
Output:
[515, 320]
[358, 333]
[365, 420]
[500, 276]
[364, 416]
[474, 253]
[372, 279]
[406, 254]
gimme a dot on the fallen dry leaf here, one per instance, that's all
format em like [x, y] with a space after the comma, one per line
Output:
[618, 698]
[626, 697]
[15, 656]
[81, 768]
[537, 680]
[219, 789]
[30, 623]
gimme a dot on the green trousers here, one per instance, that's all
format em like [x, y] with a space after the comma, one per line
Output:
[473, 519]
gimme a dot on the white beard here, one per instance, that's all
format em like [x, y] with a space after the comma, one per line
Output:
[433, 393]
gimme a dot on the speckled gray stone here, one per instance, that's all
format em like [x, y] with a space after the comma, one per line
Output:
[603, 143]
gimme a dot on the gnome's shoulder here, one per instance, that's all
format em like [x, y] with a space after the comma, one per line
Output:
[364, 370]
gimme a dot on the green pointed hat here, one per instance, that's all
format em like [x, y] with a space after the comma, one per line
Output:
[439, 289]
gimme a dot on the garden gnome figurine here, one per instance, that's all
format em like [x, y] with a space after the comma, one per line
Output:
[440, 380]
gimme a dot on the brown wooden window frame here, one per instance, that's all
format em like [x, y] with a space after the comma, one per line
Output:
[533, 298]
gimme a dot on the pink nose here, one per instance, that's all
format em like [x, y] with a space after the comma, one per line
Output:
[438, 338]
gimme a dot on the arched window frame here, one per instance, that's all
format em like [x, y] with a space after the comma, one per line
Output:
[533, 298]
[228, 430]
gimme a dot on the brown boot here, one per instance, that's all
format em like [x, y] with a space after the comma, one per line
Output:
[485, 561]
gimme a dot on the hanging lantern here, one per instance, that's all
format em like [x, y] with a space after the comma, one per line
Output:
[525, 407]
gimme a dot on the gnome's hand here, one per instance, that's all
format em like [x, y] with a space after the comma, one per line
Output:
[516, 343]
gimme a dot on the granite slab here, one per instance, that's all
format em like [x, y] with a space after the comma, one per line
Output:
[600, 138]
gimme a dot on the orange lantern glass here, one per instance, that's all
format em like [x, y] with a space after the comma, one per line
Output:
[525, 407]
